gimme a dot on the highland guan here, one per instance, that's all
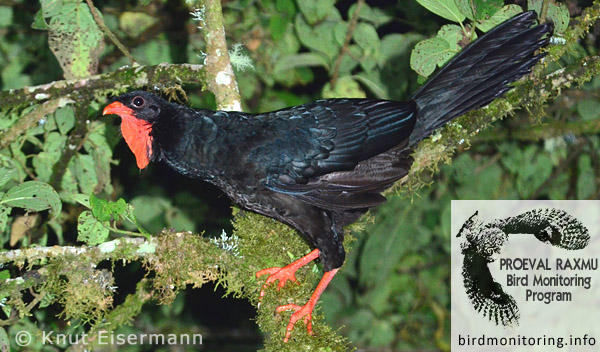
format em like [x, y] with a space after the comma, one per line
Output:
[319, 166]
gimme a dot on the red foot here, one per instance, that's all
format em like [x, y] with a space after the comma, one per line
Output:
[288, 273]
[300, 312]
[306, 310]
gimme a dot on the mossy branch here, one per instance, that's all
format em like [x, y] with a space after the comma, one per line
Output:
[99, 86]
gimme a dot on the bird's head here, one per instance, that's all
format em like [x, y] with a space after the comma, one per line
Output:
[138, 111]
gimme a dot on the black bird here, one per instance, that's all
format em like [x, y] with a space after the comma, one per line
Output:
[319, 166]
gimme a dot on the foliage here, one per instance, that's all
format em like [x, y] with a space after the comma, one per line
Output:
[66, 180]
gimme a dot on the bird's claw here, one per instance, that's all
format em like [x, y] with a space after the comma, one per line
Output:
[276, 273]
[304, 311]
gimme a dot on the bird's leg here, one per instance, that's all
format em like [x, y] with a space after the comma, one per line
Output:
[306, 310]
[288, 273]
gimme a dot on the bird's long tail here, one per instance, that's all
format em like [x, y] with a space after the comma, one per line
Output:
[480, 73]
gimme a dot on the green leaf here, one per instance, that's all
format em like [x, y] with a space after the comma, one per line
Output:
[6, 16]
[589, 109]
[90, 230]
[65, 119]
[375, 87]
[105, 210]
[55, 143]
[339, 32]
[381, 253]
[315, 10]
[530, 167]
[278, 26]
[558, 13]
[73, 37]
[4, 274]
[478, 9]
[500, 16]
[349, 61]
[427, 54]
[85, 173]
[156, 212]
[452, 34]
[43, 163]
[39, 22]
[365, 35]
[346, 87]
[490, 178]
[136, 23]
[80, 198]
[33, 195]
[289, 62]
[4, 211]
[396, 45]
[4, 340]
[443, 8]
[375, 15]
[320, 38]
[586, 183]
[51, 8]
[286, 6]
[8, 172]
[153, 52]
[383, 334]
[99, 147]
[69, 182]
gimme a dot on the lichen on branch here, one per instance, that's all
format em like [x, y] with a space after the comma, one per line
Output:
[220, 78]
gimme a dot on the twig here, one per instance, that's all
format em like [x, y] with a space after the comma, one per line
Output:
[108, 32]
[37, 253]
[544, 11]
[344, 49]
[219, 73]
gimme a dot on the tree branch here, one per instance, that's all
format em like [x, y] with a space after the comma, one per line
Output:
[219, 73]
[101, 85]
[344, 49]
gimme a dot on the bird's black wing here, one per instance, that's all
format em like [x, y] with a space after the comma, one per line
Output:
[335, 152]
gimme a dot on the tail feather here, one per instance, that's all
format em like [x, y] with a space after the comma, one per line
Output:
[479, 73]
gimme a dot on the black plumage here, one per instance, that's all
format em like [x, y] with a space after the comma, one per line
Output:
[317, 167]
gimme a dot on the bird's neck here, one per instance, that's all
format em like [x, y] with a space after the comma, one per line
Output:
[185, 138]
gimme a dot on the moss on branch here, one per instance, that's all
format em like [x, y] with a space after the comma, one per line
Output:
[99, 86]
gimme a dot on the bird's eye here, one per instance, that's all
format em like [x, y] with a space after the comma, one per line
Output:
[138, 102]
